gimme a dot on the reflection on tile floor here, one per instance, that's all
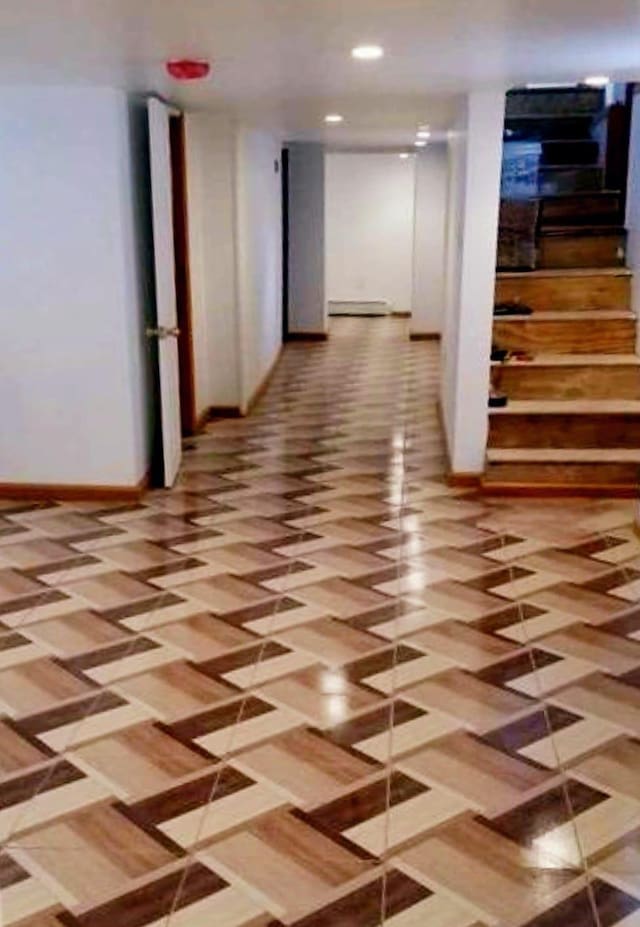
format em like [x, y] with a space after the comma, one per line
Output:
[313, 686]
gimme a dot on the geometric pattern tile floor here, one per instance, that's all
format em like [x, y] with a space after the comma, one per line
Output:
[314, 686]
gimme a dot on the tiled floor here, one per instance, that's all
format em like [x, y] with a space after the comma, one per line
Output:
[314, 686]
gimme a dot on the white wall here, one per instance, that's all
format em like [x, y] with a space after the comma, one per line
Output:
[258, 256]
[307, 302]
[431, 167]
[71, 320]
[369, 227]
[476, 158]
[235, 240]
[633, 206]
[210, 155]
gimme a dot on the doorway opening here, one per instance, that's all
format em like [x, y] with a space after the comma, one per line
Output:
[171, 334]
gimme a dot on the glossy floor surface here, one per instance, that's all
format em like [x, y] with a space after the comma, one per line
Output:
[312, 685]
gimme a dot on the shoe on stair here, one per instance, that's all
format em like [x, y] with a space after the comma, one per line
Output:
[499, 355]
[511, 308]
[497, 400]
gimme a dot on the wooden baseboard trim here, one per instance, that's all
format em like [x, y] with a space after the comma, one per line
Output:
[400, 314]
[455, 480]
[464, 480]
[443, 432]
[307, 336]
[201, 421]
[424, 336]
[559, 490]
[261, 388]
[72, 492]
[222, 412]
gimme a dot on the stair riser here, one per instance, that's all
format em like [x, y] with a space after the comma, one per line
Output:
[563, 474]
[593, 382]
[610, 336]
[548, 129]
[587, 210]
[581, 251]
[570, 294]
[564, 431]
[578, 151]
[559, 101]
[554, 181]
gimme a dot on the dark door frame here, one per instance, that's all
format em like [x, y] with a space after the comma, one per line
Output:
[186, 361]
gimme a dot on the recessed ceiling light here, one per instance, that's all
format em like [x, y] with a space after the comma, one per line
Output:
[598, 80]
[549, 86]
[404, 155]
[420, 144]
[367, 52]
[423, 133]
[334, 118]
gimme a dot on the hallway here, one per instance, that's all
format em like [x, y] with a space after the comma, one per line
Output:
[313, 685]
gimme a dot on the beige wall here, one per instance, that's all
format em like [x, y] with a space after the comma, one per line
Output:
[210, 154]
[235, 240]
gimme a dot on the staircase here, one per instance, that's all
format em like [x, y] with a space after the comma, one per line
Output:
[572, 421]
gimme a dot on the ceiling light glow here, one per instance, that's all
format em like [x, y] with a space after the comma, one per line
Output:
[597, 80]
[367, 52]
[333, 118]
[404, 155]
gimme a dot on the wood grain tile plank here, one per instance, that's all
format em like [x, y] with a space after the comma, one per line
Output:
[487, 779]
[474, 704]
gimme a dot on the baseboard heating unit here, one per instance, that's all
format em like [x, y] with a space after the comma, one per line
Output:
[360, 307]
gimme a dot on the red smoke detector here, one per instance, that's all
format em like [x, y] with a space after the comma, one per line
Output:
[188, 69]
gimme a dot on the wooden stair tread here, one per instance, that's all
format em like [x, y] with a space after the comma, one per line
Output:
[564, 272]
[580, 194]
[563, 455]
[574, 360]
[550, 115]
[593, 315]
[570, 407]
[568, 140]
[582, 231]
[569, 167]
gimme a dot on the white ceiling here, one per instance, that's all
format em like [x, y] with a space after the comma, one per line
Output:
[285, 63]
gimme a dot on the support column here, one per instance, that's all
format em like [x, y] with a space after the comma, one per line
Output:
[474, 197]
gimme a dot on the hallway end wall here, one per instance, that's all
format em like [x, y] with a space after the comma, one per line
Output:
[369, 227]
[428, 303]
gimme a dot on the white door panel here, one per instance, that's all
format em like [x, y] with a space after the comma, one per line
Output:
[167, 316]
